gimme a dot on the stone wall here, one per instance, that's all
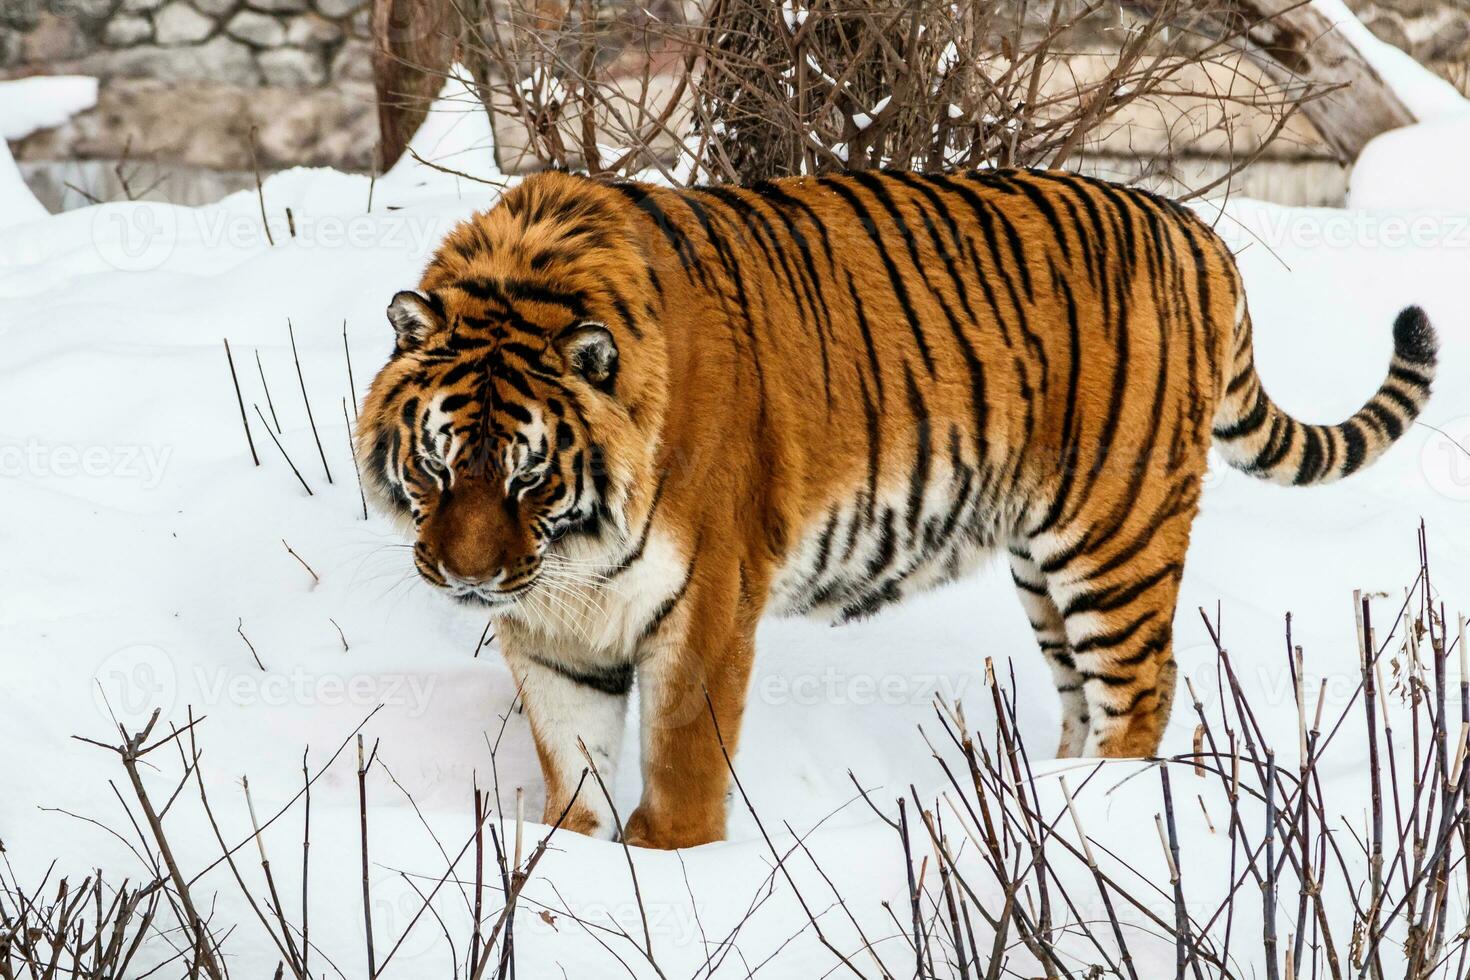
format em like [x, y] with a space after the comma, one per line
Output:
[185, 82]
[1435, 32]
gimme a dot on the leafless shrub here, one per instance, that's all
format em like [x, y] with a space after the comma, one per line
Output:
[1303, 858]
[745, 90]
[86, 932]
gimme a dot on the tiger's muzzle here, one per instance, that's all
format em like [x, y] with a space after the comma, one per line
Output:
[476, 546]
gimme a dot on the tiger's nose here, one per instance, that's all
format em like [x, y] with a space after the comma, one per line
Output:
[470, 581]
[465, 563]
[498, 575]
[444, 568]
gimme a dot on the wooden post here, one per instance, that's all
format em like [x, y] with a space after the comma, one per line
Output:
[413, 49]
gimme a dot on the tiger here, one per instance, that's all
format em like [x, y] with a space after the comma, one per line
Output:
[628, 420]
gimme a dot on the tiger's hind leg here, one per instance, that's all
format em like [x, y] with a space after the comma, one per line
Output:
[1051, 636]
[1115, 583]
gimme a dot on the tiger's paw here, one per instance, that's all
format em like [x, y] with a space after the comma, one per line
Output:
[580, 819]
[648, 829]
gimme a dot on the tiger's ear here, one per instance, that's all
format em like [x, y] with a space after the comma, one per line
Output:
[590, 351]
[413, 318]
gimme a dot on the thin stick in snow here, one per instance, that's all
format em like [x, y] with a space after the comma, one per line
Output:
[268, 402]
[352, 452]
[291, 331]
[1268, 884]
[618, 824]
[270, 881]
[474, 964]
[240, 628]
[483, 635]
[259, 189]
[286, 456]
[351, 384]
[315, 578]
[367, 905]
[306, 864]
[240, 399]
[770, 845]
[1375, 863]
[373, 179]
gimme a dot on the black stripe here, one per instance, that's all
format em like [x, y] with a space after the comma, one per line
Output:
[667, 606]
[799, 286]
[1132, 704]
[1114, 638]
[1402, 400]
[1117, 596]
[900, 288]
[643, 200]
[1409, 376]
[1033, 589]
[919, 476]
[627, 560]
[520, 289]
[1249, 423]
[1311, 465]
[1392, 424]
[1283, 437]
[1356, 446]
[615, 679]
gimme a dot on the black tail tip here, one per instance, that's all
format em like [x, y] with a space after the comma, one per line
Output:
[1413, 337]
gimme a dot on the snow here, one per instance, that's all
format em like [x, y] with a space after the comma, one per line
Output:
[792, 16]
[1424, 93]
[43, 102]
[142, 543]
[455, 135]
[862, 120]
[1416, 168]
[1419, 167]
[17, 203]
[26, 105]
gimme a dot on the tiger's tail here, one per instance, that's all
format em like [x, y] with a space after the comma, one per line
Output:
[1256, 436]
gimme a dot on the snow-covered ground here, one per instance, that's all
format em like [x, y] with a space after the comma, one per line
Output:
[141, 545]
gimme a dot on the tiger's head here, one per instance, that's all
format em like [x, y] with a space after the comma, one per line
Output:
[518, 416]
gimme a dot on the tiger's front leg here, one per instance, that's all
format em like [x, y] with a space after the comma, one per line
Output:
[568, 698]
[697, 657]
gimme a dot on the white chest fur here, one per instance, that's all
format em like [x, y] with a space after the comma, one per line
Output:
[594, 612]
